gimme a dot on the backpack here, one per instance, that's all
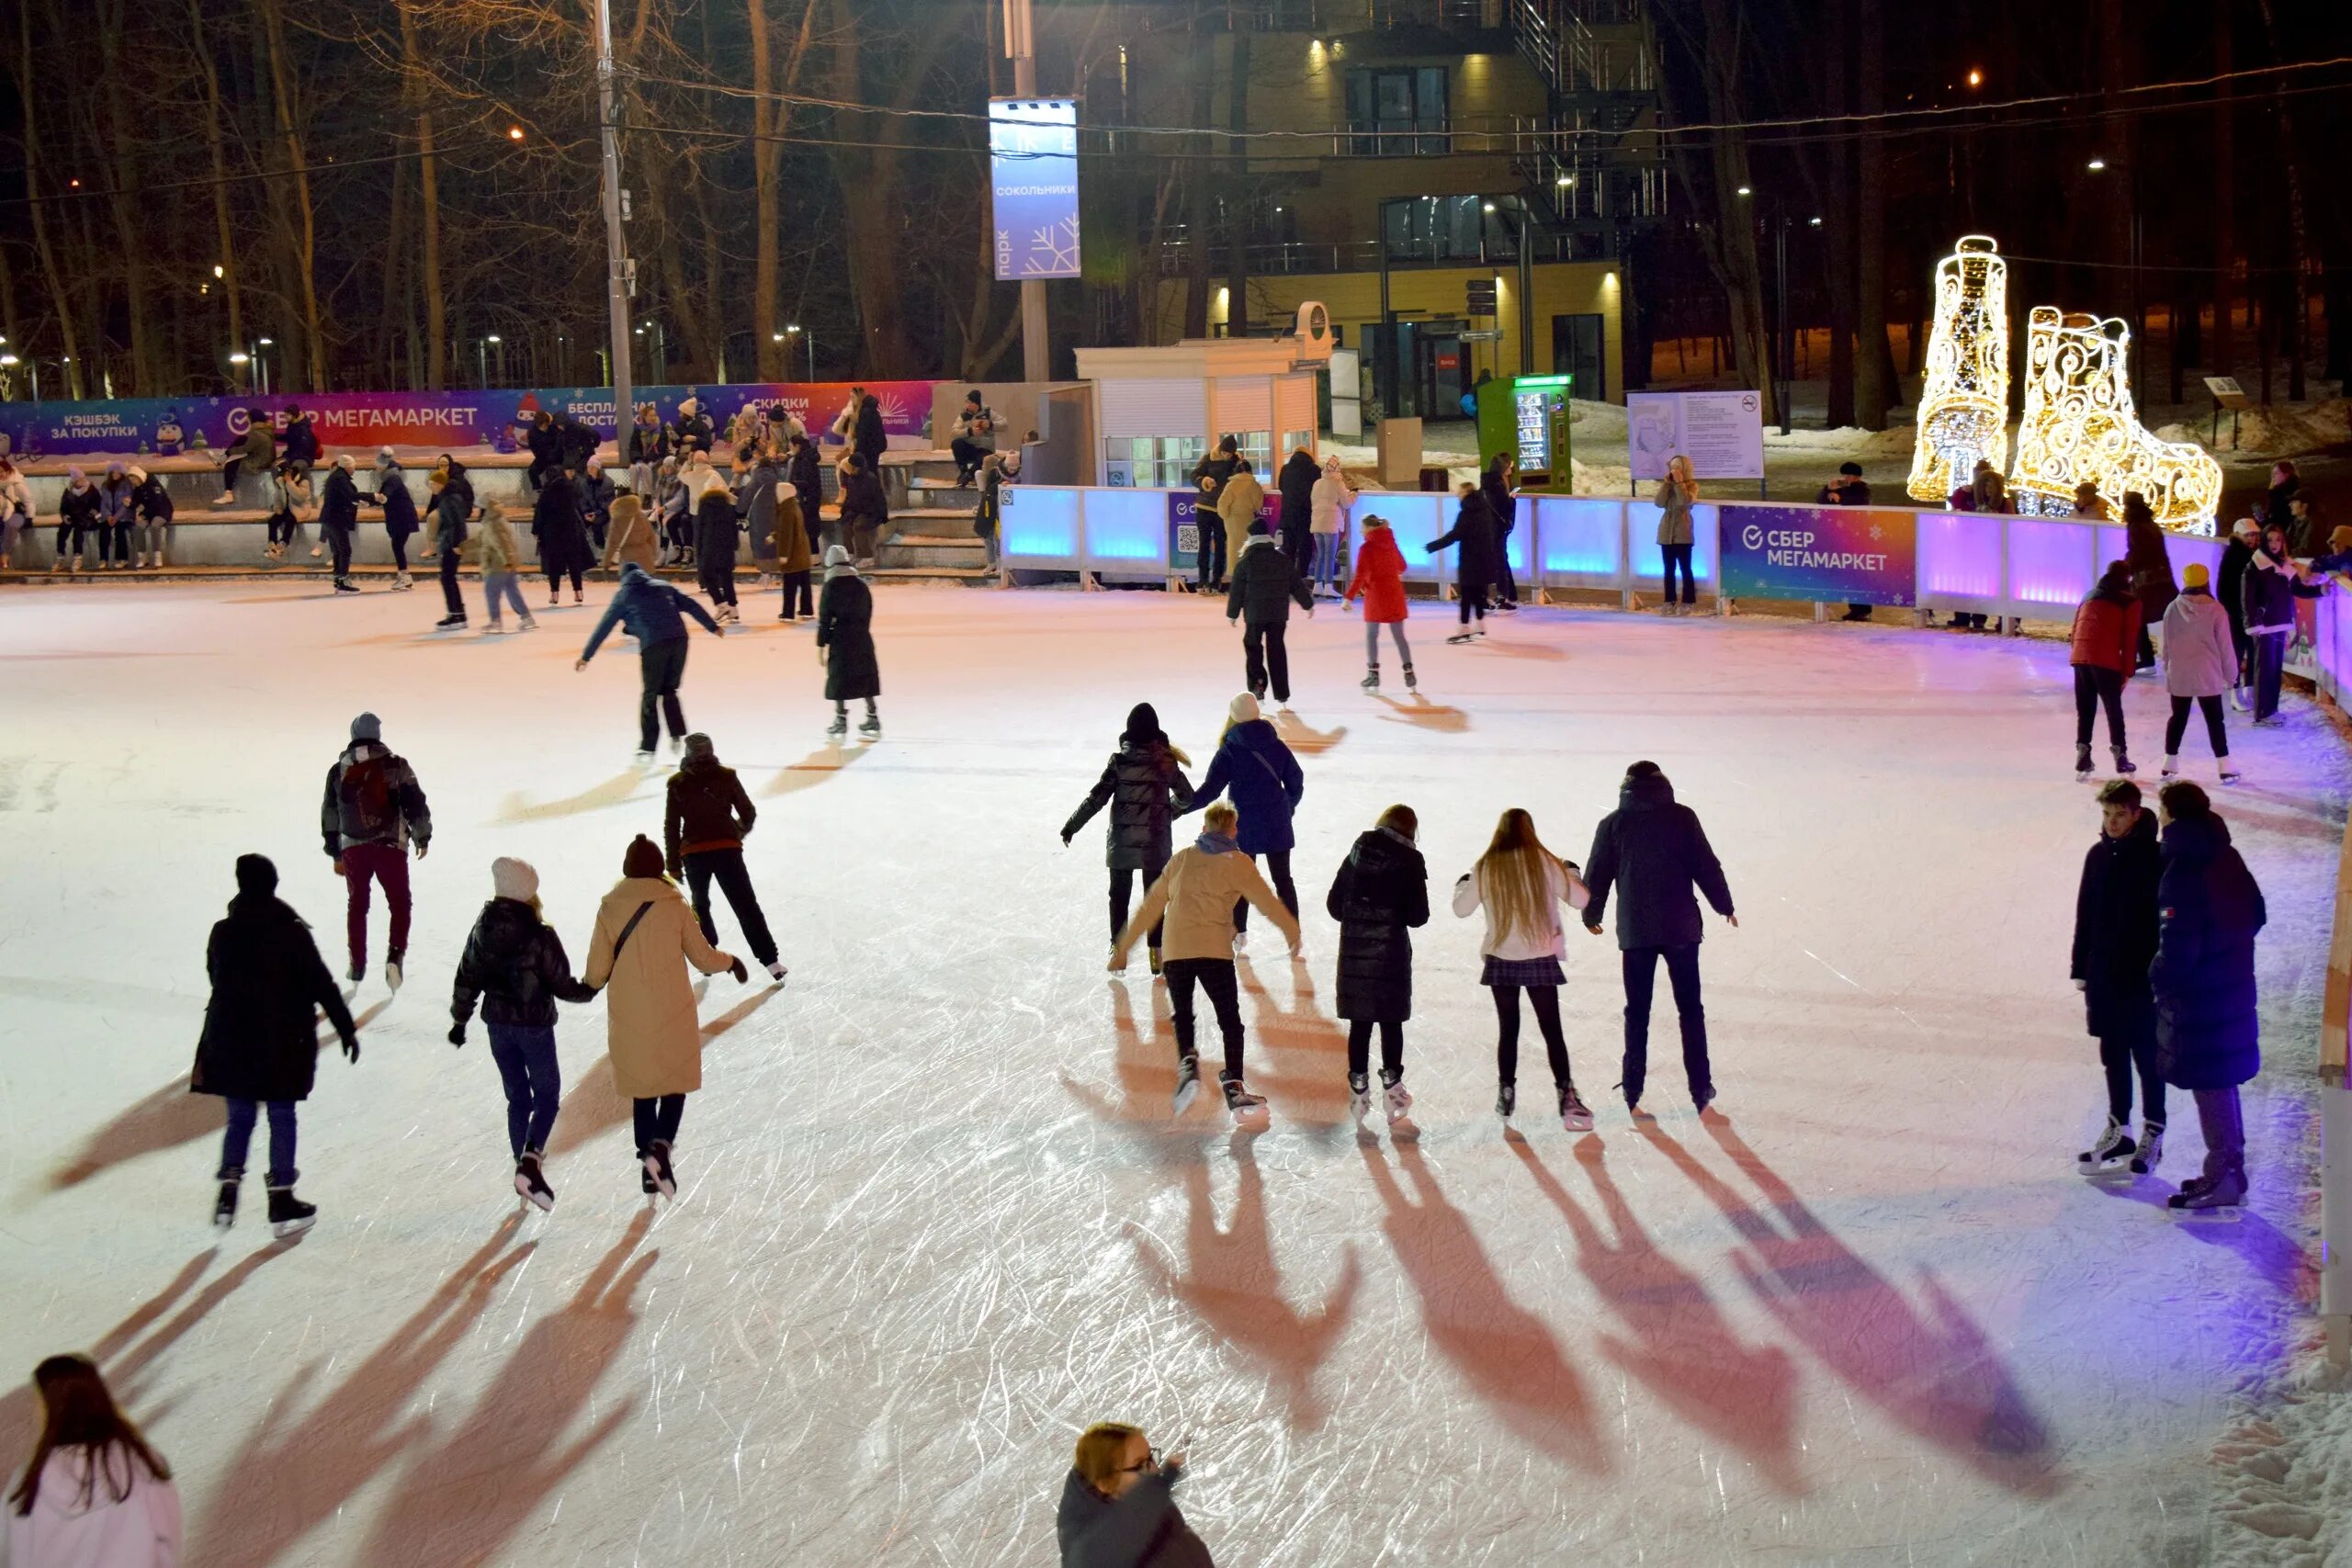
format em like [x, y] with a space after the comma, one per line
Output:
[366, 792]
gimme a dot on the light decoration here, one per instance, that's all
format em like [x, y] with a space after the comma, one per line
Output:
[2080, 426]
[1964, 401]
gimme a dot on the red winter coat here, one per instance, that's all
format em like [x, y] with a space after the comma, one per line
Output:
[2107, 632]
[1380, 577]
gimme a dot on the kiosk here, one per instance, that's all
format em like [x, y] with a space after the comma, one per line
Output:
[1159, 410]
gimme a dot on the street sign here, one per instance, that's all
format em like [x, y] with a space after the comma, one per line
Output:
[1484, 334]
[1478, 297]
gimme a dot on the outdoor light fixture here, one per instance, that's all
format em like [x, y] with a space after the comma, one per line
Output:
[1488, 207]
[513, 133]
[241, 359]
[1964, 400]
[1564, 181]
[9, 359]
[493, 338]
[220, 271]
[1745, 191]
[266, 343]
[1813, 222]
[2097, 166]
[1976, 78]
[2080, 426]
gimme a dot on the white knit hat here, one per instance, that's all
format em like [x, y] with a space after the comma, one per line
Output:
[514, 879]
[1242, 709]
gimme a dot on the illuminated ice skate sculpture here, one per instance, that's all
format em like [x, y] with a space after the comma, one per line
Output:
[1964, 401]
[2080, 425]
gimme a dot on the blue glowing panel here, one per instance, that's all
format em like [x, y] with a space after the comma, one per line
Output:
[1041, 523]
[1415, 518]
[1580, 538]
[1959, 555]
[1127, 525]
[2051, 563]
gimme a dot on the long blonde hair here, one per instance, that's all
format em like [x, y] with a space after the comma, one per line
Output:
[1514, 877]
[1679, 474]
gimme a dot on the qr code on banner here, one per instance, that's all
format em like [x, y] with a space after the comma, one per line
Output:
[1188, 538]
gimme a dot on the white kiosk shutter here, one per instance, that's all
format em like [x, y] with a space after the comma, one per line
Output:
[1171, 407]
[1295, 400]
[1242, 403]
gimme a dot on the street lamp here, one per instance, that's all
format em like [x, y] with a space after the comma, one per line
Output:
[808, 341]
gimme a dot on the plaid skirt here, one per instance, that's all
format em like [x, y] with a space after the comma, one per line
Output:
[1543, 971]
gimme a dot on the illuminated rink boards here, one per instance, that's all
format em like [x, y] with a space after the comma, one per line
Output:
[934, 1216]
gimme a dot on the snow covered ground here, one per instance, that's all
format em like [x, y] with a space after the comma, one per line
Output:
[935, 1216]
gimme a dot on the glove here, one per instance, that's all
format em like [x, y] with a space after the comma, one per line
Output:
[1430, 549]
[351, 1048]
[742, 974]
[2082, 985]
[456, 1034]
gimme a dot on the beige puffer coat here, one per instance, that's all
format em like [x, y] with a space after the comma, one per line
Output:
[651, 1030]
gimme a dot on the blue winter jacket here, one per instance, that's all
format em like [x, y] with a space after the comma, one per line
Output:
[2207, 912]
[1256, 770]
[649, 609]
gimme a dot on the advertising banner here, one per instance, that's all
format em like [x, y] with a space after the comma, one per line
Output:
[1828, 554]
[1720, 432]
[457, 422]
[1187, 516]
[1033, 172]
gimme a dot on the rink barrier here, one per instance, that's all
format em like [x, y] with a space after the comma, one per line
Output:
[2332, 673]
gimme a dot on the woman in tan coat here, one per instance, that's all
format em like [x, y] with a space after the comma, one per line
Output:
[643, 928]
[792, 557]
[632, 538]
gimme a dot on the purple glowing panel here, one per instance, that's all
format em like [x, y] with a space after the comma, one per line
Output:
[1580, 540]
[2187, 551]
[2052, 564]
[1959, 555]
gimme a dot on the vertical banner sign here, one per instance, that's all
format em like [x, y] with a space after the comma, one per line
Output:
[1830, 554]
[1033, 168]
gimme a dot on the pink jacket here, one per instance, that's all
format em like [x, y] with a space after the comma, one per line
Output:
[2200, 659]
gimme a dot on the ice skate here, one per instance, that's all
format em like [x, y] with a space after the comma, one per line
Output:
[1243, 1104]
[777, 971]
[529, 625]
[839, 727]
[2082, 761]
[2079, 425]
[1506, 1100]
[1962, 412]
[1409, 682]
[1360, 1097]
[2237, 698]
[645, 1178]
[1371, 682]
[402, 581]
[677, 746]
[318, 550]
[2123, 761]
[224, 1204]
[642, 757]
[2151, 1147]
[140, 563]
[1396, 1100]
[657, 1164]
[345, 585]
[358, 971]
[1479, 631]
[1575, 1116]
[392, 971]
[450, 623]
[1188, 1083]
[1240, 942]
[871, 726]
[2217, 1201]
[289, 1215]
[1458, 636]
[2113, 1147]
[2171, 770]
[2230, 775]
[531, 1183]
[579, 596]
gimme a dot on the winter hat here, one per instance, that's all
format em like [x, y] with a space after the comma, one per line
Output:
[1242, 709]
[2339, 539]
[384, 454]
[511, 878]
[1142, 724]
[1851, 470]
[76, 476]
[256, 876]
[367, 726]
[643, 859]
[2246, 527]
[698, 745]
[138, 476]
[344, 461]
[688, 408]
[114, 470]
[837, 564]
[2194, 575]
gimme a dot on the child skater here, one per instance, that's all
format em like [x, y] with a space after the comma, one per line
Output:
[1379, 581]
[1380, 893]
[1144, 786]
[514, 964]
[1521, 884]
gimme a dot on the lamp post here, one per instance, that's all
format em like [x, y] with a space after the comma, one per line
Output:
[2100, 164]
[499, 344]
[807, 341]
[237, 362]
[261, 365]
[1782, 369]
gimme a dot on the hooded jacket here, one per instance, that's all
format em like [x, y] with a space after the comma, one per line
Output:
[650, 608]
[1379, 577]
[708, 809]
[1264, 780]
[515, 965]
[2115, 932]
[1195, 897]
[2229, 581]
[1144, 786]
[1265, 584]
[845, 629]
[2200, 659]
[1381, 892]
[500, 552]
[863, 497]
[339, 503]
[651, 1028]
[2207, 912]
[1652, 852]
[301, 439]
[1328, 503]
[2107, 631]
[458, 483]
[1238, 502]
[259, 447]
[2153, 583]
[149, 500]
[557, 525]
[140, 1529]
[260, 1039]
[631, 539]
[1143, 1529]
[1296, 484]
[372, 797]
[1473, 530]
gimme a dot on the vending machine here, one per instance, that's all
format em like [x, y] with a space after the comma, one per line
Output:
[1528, 416]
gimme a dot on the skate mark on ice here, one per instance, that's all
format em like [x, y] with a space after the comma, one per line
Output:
[2281, 1261]
[112, 995]
[2285, 824]
[814, 769]
[1232, 1283]
[1508, 1355]
[618, 790]
[120, 1352]
[1300, 737]
[592, 1103]
[28, 783]
[1680, 1347]
[1512, 647]
[1423, 714]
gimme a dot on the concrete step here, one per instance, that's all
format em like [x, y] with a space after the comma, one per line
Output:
[922, 550]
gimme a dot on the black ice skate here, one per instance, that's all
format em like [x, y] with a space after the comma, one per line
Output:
[1371, 682]
[1506, 1100]
[358, 970]
[224, 1206]
[2083, 760]
[839, 727]
[1409, 682]
[451, 623]
[871, 728]
[531, 1183]
[1239, 1100]
[2123, 761]
[289, 1215]
[2218, 1200]
[2113, 1148]
[2151, 1147]
[1458, 636]
[1188, 1083]
[345, 585]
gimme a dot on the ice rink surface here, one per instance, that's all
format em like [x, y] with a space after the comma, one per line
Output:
[934, 1215]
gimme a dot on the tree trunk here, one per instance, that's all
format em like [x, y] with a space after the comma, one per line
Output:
[125, 204]
[53, 280]
[2223, 358]
[223, 236]
[2298, 295]
[767, 164]
[1838, 230]
[1731, 244]
[1874, 392]
[1236, 183]
[428, 190]
[302, 231]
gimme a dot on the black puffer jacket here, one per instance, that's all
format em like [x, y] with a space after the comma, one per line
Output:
[1382, 891]
[515, 962]
[1143, 1529]
[1476, 531]
[557, 525]
[2269, 591]
[2115, 931]
[80, 506]
[151, 501]
[1653, 852]
[1144, 785]
[1296, 485]
[260, 1038]
[845, 630]
[1265, 584]
[2209, 908]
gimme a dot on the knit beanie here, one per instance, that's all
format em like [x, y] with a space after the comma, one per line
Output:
[1242, 709]
[138, 476]
[643, 859]
[367, 726]
[2194, 575]
[1851, 470]
[256, 875]
[511, 878]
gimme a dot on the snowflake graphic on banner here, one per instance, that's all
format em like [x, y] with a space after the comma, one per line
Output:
[1053, 251]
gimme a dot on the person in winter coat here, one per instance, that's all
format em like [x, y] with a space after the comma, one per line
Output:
[78, 510]
[256, 450]
[260, 1043]
[1850, 489]
[869, 440]
[114, 518]
[1382, 891]
[2199, 665]
[94, 1494]
[1496, 485]
[988, 518]
[845, 646]
[15, 512]
[514, 965]
[1520, 885]
[446, 512]
[2151, 567]
[1265, 584]
[564, 536]
[1209, 476]
[692, 433]
[715, 534]
[1327, 507]
[2115, 941]
[2106, 626]
[1257, 771]
[975, 437]
[400, 513]
[2209, 910]
[673, 508]
[649, 443]
[301, 438]
[2272, 584]
[2089, 505]
[632, 540]
[1191, 902]
[645, 937]
[374, 810]
[653, 612]
[793, 558]
[2228, 589]
[864, 509]
[1652, 852]
[704, 827]
[1295, 520]
[575, 443]
[1143, 786]
[502, 562]
[339, 520]
[1118, 1507]
[596, 493]
[545, 445]
[1474, 532]
[1379, 582]
[1677, 537]
[804, 470]
[763, 476]
[151, 514]
[2279, 505]
[1238, 502]
[2305, 529]
[290, 507]
[1985, 491]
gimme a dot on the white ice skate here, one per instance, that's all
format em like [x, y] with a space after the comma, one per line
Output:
[2109, 1153]
[1359, 1096]
[1188, 1084]
[1396, 1100]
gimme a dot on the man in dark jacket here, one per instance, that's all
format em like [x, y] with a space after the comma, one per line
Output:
[651, 610]
[707, 819]
[374, 810]
[2208, 1034]
[1208, 480]
[260, 1041]
[2115, 940]
[546, 443]
[1850, 490]
[1265, 584]
[575, 443]
[802, 471]
[300, 443]
[1266, 783]
[1653, 852]
[400, 511]
[1474, 532]
[339, 520]
[1127, 1518]
[864, 509]
[2229, 584]
[1296, 484]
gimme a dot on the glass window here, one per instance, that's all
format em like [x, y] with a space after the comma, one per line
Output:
[1164, 462]
[1385, 107]
[1434, 228]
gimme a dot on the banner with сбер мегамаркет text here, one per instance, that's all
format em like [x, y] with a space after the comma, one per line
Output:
[1855, 555]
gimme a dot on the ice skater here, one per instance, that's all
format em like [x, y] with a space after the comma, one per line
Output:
[632, 538]
[845, 646]
[1143, 786]
[514, 965]
[1520, 886]
[1294, 513]
[1194, 901]
[1118, 1504]
[2107, 631]
[260, 1043]
[645, 937]
[650, 609]
[1379, 582]
[500, 562]
[562, 535]
[2273, 582]
[1266, 582]
[399, 515]
[1266, 783]
[2115, 941]
[2229, 588]
[715, 532]
[1498, 485]
[373, 812]
[1652, 852]
[1379, 894]
[447, 512]
[2201, 663]
[792, 559]
[2208, 1031]
[703, 826]
[1328, 505]
[339, 519]
[1474, 534]
[94, 1494]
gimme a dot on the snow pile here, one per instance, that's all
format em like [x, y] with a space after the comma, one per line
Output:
[2283, 430]
[2284, 1487]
